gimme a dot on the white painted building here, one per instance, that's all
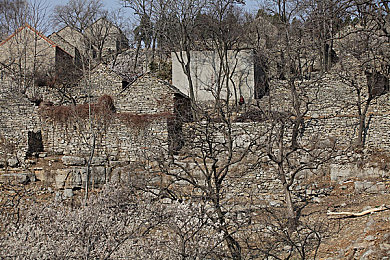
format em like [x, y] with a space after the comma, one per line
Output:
[246, 78]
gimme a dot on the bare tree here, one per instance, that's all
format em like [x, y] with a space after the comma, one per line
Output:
[144, 32]
[291, 150]
[363, 66]
[78, 16]
[325, 19]
[177, 21]
[118, 222]
[217, 150]
[95, 32]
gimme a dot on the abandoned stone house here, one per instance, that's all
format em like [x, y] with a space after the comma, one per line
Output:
[147, 116]
[107, 38]
[102, 40]
[69, 40]
[246, 76]
[146, 113]
[101, 80]
[27, 56]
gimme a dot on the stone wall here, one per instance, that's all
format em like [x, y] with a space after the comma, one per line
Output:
[147, 95]
[333, 110]
[102, 36]
[72, 37]
[18, 117]
[100, 81]
[255, 176]
[115, 139]
[140, 122]
[69, 48]
[112, 38]
[27, 51]
[139, 128]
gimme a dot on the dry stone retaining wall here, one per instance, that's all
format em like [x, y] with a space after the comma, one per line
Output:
[118, 142]
[114, 139]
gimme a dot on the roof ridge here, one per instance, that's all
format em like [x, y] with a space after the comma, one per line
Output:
[62, 39]
[40, 34]
[12, 35]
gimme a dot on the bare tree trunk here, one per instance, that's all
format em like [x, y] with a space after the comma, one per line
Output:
[136, 55]
[359, 141]
[291, 214]
[232, 244]
[92, 133]
[188, 73]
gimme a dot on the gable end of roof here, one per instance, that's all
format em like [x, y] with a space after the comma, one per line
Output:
[36, 32]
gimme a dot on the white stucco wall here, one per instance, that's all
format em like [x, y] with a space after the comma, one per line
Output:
[205, 68]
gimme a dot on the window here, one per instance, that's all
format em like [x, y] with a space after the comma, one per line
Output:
[124, 84]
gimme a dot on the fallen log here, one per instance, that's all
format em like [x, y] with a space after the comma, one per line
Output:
[347, 214]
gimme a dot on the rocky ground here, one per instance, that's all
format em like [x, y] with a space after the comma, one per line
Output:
[362, 237]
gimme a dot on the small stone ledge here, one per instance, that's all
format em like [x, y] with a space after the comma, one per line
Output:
[73, 161]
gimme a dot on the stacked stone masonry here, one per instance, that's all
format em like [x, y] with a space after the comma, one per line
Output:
[333, 112]
[332, 115]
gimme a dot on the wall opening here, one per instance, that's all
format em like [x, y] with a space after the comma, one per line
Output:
[124, 84]
[261, 80]
[175, 136]
[35, 144]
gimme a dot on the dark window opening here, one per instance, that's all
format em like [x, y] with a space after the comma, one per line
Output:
[183, 111]
[261, 86]
[35, 144]
[175, 136]
[77, 58]
[93, 52]
[378, 84]
[117, 46]
[261, 82]
[124, 84]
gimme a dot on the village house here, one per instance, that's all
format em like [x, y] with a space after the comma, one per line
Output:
[107, 38]
[125, 120]
[147, 112]
[31, 59]
[100, 80]
[100, 41]
[246, 77]
[146, 115]
[69, 40]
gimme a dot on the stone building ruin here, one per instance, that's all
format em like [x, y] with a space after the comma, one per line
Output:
[27, 58]
[148, 116]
